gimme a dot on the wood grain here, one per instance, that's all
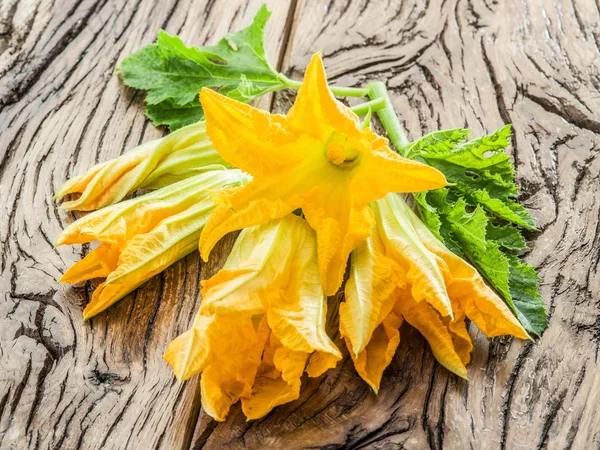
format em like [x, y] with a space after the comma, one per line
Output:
[448, 63]
[65, 383]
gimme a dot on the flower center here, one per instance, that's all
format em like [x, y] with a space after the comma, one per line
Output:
[338, 151]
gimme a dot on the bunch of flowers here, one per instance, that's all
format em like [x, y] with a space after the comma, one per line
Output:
[310, 191]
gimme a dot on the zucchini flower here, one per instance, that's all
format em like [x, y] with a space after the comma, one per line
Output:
[182, 154]
[318, 158]
[141, 237]
[261, 323]
[403, 272]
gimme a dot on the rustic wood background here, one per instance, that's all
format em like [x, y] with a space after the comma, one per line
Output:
[449, 63]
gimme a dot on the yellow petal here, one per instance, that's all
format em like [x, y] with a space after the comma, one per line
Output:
[267, 393]
[118, 223]
[379, 352]
[145, 255]
[321, 362]
[189, 353]
[337, 237]
[98, 263]
[368, 294]
[424, 269]
[270, 391]
[457, 327]
[236, 347]
[316, 111]
[318, 159]
[106, 295]
[239, 131]
[225, 220]
[258, 263]
[380, 169]
[480, 303]
[110, 182]
[431, 325]
[273, 268]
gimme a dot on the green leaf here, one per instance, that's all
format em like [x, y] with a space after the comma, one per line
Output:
[440, 142]
[431, 217]
[480, 170]
[507, 236]
[470, 216]
[468, 230]
[173, 74]
[174, 116]
[529, 304]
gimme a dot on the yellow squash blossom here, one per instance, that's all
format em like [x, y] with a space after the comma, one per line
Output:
[261, 323]
[141, 237]
[403, 272]
[318, 158]
[182, 154]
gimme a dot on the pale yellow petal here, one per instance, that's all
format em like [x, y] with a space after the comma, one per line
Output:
[146, 255]
[111, 181]
[424, 269]
[78, 183]
[118, 223]
[115, 180]
[106, 295]
[368, 294]
[297, 313]
[258, 264]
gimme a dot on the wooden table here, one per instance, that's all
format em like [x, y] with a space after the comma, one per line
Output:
[448, 63]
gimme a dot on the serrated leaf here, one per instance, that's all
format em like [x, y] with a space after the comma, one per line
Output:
[479, 170]
[506, 209]
[440, 142]
[507, 236]
[470, 232]
[174, 116]
[472, 235]
[431, 218]
[173, 73]
[529, 304]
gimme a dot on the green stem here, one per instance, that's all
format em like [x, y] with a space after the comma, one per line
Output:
[363, 108]
[388, 117]
[339, 91]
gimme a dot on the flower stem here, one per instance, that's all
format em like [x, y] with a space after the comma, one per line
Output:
[363, 108]
[339, 91]
[388, 117]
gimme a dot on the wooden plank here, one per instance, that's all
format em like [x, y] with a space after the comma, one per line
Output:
[65, 383]
[480, 64]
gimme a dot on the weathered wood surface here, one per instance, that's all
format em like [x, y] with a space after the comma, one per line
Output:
[475, 63]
